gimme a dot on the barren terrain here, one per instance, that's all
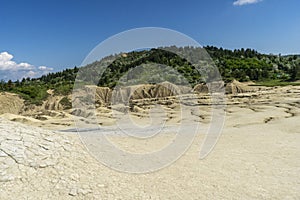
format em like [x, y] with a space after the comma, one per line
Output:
[256, 157]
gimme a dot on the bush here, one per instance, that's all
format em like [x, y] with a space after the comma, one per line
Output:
[66, 103]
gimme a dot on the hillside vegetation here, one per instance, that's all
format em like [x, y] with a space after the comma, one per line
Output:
[241, 64]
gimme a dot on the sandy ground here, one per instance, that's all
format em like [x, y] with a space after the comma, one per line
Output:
[256, 157]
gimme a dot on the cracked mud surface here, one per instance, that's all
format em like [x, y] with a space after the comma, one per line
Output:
[256, 157]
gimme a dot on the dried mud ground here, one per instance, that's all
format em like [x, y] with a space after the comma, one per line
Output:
[256, 157]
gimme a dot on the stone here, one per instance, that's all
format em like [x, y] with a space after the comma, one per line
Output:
[73, 192]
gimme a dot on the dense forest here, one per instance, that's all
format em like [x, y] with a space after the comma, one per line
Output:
[241, 64]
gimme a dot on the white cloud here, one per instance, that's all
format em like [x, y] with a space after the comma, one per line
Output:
[30, 74]
[24, 66]
[9, 69]
[245, 2]
[44, 68]
[6, 63]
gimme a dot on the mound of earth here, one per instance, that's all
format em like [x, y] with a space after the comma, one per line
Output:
[201, 88]
[10, 103]
[147, 91]
[236, 87]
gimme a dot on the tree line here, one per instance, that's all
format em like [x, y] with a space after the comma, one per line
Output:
[241, 64]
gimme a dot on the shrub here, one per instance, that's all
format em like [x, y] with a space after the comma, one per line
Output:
[66, 103]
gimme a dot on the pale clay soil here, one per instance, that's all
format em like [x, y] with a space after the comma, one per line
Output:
[256, 157]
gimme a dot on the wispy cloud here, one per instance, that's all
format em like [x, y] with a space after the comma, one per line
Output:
[245, 2]
[10, 69]
[44, 68]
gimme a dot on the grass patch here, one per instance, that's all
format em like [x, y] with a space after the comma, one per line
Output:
[273, 83]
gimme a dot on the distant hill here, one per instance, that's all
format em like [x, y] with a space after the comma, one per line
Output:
[241, 64]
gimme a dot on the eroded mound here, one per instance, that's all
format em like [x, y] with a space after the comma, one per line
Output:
[10, 103]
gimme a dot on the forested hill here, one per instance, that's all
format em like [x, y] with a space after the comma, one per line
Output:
[241, 64]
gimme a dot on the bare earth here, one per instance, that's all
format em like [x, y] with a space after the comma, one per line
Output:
[256, 157]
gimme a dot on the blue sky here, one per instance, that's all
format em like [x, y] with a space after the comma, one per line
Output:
[51, 35]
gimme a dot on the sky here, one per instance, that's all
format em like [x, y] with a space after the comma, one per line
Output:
[38, 37]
